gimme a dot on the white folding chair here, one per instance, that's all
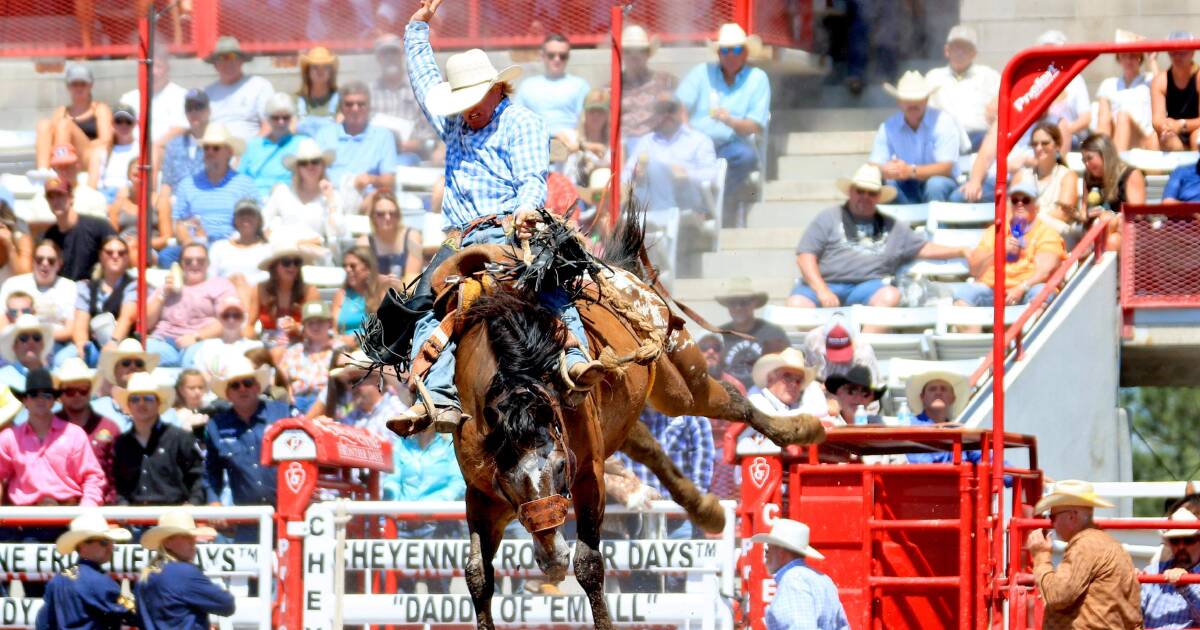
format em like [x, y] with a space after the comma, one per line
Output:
[798, 319]
[919, 319]
[915, 214]
[662, 241]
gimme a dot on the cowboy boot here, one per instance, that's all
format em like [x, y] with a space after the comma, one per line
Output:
[417, 419]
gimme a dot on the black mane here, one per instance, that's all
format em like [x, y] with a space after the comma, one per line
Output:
[623, 244]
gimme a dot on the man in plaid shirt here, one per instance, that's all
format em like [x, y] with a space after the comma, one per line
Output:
[496, 162]
[688, 441]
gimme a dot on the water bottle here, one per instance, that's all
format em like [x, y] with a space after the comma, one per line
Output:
[904, 417]
[1018, 227]
[860, 416]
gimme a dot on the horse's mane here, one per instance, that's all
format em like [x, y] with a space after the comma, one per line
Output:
[623, 245]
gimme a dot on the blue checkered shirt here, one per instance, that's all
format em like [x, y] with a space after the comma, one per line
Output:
[805, 599]
[499, 169]
[1170, 605]
[689, 443]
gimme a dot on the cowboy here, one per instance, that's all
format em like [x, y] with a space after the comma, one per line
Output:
[556, 96]
[233, 440]
[917, 148]
[155, 463]
[115, 367]
[1173, 605]
[804, 597]
[238, 100]
[203, 210]
[742, 301]
[84, 596]
[641, 87]
[964, 89]
[496, 162]
[784, 383]
[78, 236]
[24, 346]
[75, 382]
[263, 158]
[1095, 585]
[854, 389]
[173, 592]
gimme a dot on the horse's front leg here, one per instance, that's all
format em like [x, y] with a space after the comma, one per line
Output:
[486, 525]
[588, 493]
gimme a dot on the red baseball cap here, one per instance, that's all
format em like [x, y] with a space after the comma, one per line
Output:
[63, 155]
[58, 185]
[839, 346]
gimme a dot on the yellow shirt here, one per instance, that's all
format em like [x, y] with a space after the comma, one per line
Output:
[1040, 238]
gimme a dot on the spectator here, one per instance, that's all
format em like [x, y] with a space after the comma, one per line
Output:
[1057, 185]
[1034, 252]
[75, 380]
[713, 349]
[740, 353]
[917, 148]
[16, 240]
[239, 101]
[848, 251]
[964, 89]
[801, 592]
[85, 596]
[783, 383]
[46, 460]
[1072, 109]
[669, 167]
[234, 439]
[237, 257]
[836, 347]
[365, 154]
[306, 364]
[1175, 99]
[1124, 111]
[264, 158]
[374, 401]
[105, 304]
[360, 294]
[172, 591]
[1115, 182]
[115, 367]
[155, 463]
[190, 410]
[83, 123]
[183, 156]
[167, 118]
[233, 339]
[730, 102]
[641, 87]
[1183, 186]
[17, 303]
[65, 165]
[587, 145]
[77, 236]
[25, 347]
[688, 441]
[395, 105]
[204, 202]
[1174, 605]
[306, 207]
[181, 314]
[724, 475]
[123, 212]
[1095, 584]
[108, 171]
[556, 96]
[276, 304]
[53, 295]
[937, 397]
[317, 100]
[397, 248]
[853, 389]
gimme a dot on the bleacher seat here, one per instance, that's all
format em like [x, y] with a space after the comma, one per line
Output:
[662, 241]
[359, 224]
[898, 345]
[915, 214]
[417, 178]
[799, 319]
[917, 319]
[953, 346]
[1154, 188]
[323, 277]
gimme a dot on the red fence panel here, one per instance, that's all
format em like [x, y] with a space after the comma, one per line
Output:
[1160, 257]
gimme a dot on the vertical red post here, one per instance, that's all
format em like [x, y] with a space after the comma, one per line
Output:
[741, 14]
[614, 127]
[204, 27]
[145, 58]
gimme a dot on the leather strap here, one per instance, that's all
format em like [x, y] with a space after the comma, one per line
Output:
[691, 314]
[432, 348]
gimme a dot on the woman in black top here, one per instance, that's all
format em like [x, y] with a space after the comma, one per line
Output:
[396, 247]
[1175, 99]
[1109, 183]
[85, 123]
[109, 291]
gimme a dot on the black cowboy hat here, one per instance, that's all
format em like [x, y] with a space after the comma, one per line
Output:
[39, 380]
[858, 375]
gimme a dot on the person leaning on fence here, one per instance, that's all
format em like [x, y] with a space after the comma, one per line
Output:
[805, 599]
[84, 596]
[1095, 585]
[1174, 605]
[173, 594]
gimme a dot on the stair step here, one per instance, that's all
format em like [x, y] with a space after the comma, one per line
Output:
[736, 264]
[826, 142]
[707, 289]
[754, 239]
[789, 217]
[838, 119]
[829, 167]
[823, 189]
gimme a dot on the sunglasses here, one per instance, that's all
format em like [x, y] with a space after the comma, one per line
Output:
[46, 260]
[1041, 143]
[733, 50]
[281, 117]
[232, 315]
[41, 394]
[141, 398]
[27, 337]
[115, 253]
[558, 55]
[132, 363]
[354, 104]
[103, 542]
[869, 193]
[1022, 201]
[195, 261]
[387, 213]
[289, 262]
[14, 312]
[123, 121]
[213, 148]
[246, 383]
[228, 56]
[76, 391]
[1190, 540]
[303, 163]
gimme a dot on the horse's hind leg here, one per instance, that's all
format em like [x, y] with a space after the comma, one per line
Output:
[486, 525]
[703, 508]
[588, 497]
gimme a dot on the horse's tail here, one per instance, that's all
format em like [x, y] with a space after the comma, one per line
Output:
[624, 244]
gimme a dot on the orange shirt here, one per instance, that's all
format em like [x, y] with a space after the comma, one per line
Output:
[1040, 238]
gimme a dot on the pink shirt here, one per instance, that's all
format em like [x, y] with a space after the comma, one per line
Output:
[63, 467]
[186, 312]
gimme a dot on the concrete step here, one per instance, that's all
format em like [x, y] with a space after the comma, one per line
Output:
[784, 217]
[836, 119]
[828, 167]
[756, 239]
[706, 289]
[825, 142]
[736, 264]
[807, 189]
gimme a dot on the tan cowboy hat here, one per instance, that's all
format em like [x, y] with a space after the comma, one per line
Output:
[74, 370]
[25, 323]
[868, 177]
[144, 383]
[789, 534]
[216, 135]
[10, 406]
[1185, 517]
[912, 86]
[308, 149]
[469, 76]
[741, 289]
[174, 523]
[634, 37]
[287, 249]
[787, 359]
[233, 367]
[318, 56]
[732, 35]
[129, 348]
[226, 45]
[86, 526]
[1071, 492]
[917, 382]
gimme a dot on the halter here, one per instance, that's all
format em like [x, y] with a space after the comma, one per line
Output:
[550, 512]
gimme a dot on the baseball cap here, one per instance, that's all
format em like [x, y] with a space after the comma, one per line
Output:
[228, 302]
[315, 310]
[247, 204]
[839, 346]
[63, 155]
[963, 33]
[195, 99]
[78, 73]
[124, 111]
[58, 185]
[1176, 36]
[1023, 187]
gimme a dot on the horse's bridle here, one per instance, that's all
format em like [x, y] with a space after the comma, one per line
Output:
[550, 512]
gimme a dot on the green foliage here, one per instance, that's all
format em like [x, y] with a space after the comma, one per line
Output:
[1166, 439]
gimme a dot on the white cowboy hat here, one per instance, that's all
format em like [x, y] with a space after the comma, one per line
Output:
[129, 348]
[144, 383]
[25, 323]
[1052, 37]
[912, 86]
[1187, 518]
[233, 367]
[174, 523]
[867, 177]
[469, 76]
[963, 33]
[287, 249]
[732, 35]
[917, 382]
[216, 135]
[789, 358]
[789, 534]
[89, 525]
[1071, 492]
[10, 406]
[634, 37]
[308, 149]
[74, 370]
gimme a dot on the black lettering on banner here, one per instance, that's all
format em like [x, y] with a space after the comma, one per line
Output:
[558, 610]
[18, 612]
[508, 609]
[42, 558]
[316, 527]
[229, 562]
[686, 558]
[377, 549]
[634, 557]
[357, 556]
[507, 557]
[312, 600]
[578, 609]
[609, 552]
[315, 560]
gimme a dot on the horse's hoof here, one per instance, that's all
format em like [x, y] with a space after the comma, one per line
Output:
[709, 515]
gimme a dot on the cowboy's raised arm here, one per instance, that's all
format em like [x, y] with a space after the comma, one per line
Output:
[423, 72]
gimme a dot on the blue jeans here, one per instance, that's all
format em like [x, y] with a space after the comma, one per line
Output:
[68, 351]
[936, 188]
[660, 189]
[980, 294]
[987, 192]
[847, 292]
[440, 378]
[170, 354]
[741, 159]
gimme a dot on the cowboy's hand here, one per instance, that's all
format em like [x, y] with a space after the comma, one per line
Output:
[1174, 574]
[525, 222]
[426, 12]
[1037, 543]
[828, 299]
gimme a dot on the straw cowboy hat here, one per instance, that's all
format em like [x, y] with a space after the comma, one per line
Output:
[234, 367]
[174, 523]
[737, 289]
[308, 149]
[469, 76]
[788, 359]
[917, 382]
[26, 323]
[868, 177]
[227, 45]
[86, 526]
[1073, 493]
[74, 370]
[216, 135]
[10, 406]
[1186, 518]
[634, 37]
[789, 534]
[287, 249]
[318, 56]
[129, 348]
[145, 383]
[912, 86]
[732, 35]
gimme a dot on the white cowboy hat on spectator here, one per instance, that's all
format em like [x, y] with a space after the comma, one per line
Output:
[281, 103]
[74, 370]
[217, 135]
[634, 37]
[917, 382]
[912, 86]
[129, 348]
[308, 149]
[26, 323]
[286, 249]
[227, 45]
[1122, 36]
[789, 359]
[789, 534]
[174, 523]
[469, 77]
[1052, 37]
[315, 309]
[1185, 517]
[87, 526]
[741, 288]
[868, 177]
[10, 406]
[144, 383]
[234, 367]
[1071, 493]
[963, 33]
[732, 35]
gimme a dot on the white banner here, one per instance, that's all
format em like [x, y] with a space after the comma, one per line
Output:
[572, 610]
[431, 556]
[41, 560]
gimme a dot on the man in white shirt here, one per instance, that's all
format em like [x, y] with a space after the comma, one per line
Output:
[555, 96]
[166, 105]
[236, 100]
[964, 89]
[1072, 109]
[669, 165]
